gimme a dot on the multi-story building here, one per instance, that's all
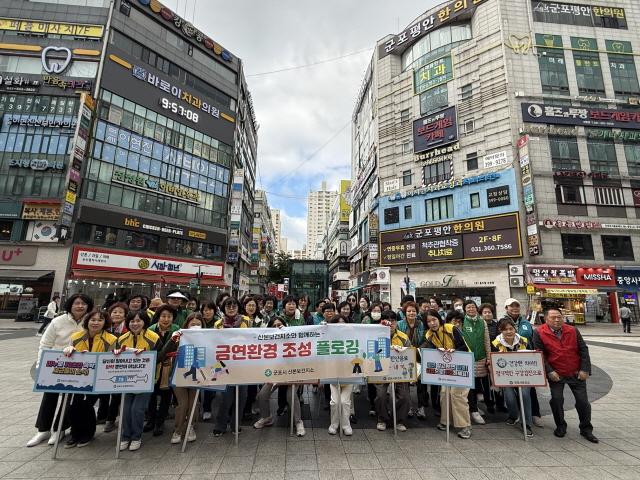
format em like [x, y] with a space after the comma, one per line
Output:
[132, 127]
[318, 207]
[298, 254]
[263, 243]
[457, 126]
[284, 244]
[276, 219]
[336, 242]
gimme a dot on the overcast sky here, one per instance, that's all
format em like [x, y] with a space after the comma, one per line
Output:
[300, 110]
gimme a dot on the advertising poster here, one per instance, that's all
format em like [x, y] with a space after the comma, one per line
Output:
[518, 369]
[447, 369]
[435, 130]
[125, 373]
[238, 356]
[402, 368]
[60, 374]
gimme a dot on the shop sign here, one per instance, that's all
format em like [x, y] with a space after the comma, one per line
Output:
[581, 174]
[373, 251]
[374, 226]
[569, 292]
[379, 276]
[608, 134]
[345, 208]
[494, 160]
[20, 256]
[41, 211]
[552, 275]
[439, 154]
[448, 281]
[587, 225]
[447, 184]
[549, 130]
[596, 276]
[145, 183]
[581, 116]
[583, 15]
[626, 277]
[16, 83]
[433, 74]
[52, 28]
[40, 121]
[435, 130]
[10, 209]
[475, 239]
[447, 14]
[53, 81]
[113, 260]
[533, 235]
[498, 196]
[55, 65]
[38, 164]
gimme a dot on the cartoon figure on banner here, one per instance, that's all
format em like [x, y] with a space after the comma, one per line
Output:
[217, 370]
[357, 365]
[379, 349]
[193, 358]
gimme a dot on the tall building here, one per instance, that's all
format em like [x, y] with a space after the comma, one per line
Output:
[495, 147]
[336, 244]
[284, 244]
[318, 208]
[277, 229]
[125, 131]
[263, 243]
[298, 254]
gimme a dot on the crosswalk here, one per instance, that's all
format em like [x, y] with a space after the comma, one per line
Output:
[13, 333]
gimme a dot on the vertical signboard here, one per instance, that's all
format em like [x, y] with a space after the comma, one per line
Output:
[533, 234]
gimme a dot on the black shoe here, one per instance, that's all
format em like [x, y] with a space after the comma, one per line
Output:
[560, 432]
[158, 430]
[148, 426]
[353, 419]
[217, 433]
[511, 421]
[101, 421]
[71, 443]
[529, 432]
[281, 411]
[590, 436]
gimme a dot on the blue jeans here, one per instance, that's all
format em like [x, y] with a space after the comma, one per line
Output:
[228, 400]
[513, 403]
[134, 406]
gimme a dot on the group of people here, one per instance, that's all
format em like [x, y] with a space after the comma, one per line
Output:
[140, 324]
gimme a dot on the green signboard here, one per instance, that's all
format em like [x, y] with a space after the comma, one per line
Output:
[433, 74]
[583, 43]
[619, 46]
[548, 40]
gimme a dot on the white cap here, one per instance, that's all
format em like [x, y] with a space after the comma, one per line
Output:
[510, 301]
[177, 295]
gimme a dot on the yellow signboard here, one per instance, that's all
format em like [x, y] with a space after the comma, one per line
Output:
[72, 29]
[570, 292]
[345, 208]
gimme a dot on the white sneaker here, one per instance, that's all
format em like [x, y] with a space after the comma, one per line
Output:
[206, 416]
[191, 436]
[420, 414]
[476, 417]
[333, 430]
[400, 427]
[381, 426]
[176, 438]
[348, 431]
[263, 422]
[124, 444]
[135, 445]
[52, 438]
[537, 421]
[38, 438]
[300, 431]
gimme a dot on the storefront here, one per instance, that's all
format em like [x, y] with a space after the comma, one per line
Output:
[584, 294]
[628, 285]
[378, 287]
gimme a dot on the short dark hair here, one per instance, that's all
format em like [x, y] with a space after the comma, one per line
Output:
[317, 304]
[121, 305]
[407, 298]
[229, 301]
[165, 307]
[273, 320]
[489, 306]
[453, 314]
[469, 302]
[502, 324]
[328, 306]
[141, 314]
[389, 315]
[433, 313]
[337, 318]
[222, 296]
[272, 299]
[366, 299]
[550, 307]
[289, 299]
[85, 298]
[211, 305]
[376, 304]
[437, 300]
[55, 297]
[344, 304]
[193, 316]
[103, 315]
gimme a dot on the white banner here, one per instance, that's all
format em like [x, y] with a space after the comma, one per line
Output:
[453, 369]
[402, 368]
[239, 356]
[518, 369]
[125, 373]
[62, 374]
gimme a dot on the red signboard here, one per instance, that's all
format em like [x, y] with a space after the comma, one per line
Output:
[596, 276]
[636, 197]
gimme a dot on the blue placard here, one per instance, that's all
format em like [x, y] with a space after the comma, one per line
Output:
[58, 373]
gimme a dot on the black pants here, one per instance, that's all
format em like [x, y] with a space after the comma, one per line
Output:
[583, 407]
[434, 392]
[535, 405]
[158, 413]
[209, 395]
[482, 385]
[109, 407]
[626, 325]
[83, 417]
[47, 411]
[371, 395]
[423, 394]
[252, 393]
[283, 401]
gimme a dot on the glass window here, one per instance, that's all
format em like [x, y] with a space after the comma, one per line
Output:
[405, 115]
[391, 215]
[439, 208]
[434, 99]
[624, 75]
[588, 72]
[609, 196]
[407, 212]
[632, 154]
[571, 193]
[475, 200]
[602, 157]
[553, 71]
[406, 178]
[617, 247]
[472, 161]
[467, 91]
[407, 148]
[577, 246]
[437, 172]
[564, 153]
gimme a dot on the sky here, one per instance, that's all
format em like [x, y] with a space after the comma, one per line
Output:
[304, 114]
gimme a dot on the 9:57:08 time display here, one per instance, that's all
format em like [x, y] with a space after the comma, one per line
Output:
[179, 109]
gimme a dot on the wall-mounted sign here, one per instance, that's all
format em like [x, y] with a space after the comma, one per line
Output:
[51, 63]
[37, 164]
[587, 225]
[51, 81]
[16, 83]
[438, 154]
[552, 274]
[498, 196]
[582, 15]
[18, 256]
[435, 130]
[433, 74]
[581, 174]
[596, 276]
[41, 211]
[608, 134]
[146, 183]
[449, 13]
[85, 258]
[391, 185]
[549, 130]
[452, 183]
[635, 193]
[474, 239]
[588, 117]
[526, 178]
[628, 277]
[40, 121]
[53, 28]
[493, 160]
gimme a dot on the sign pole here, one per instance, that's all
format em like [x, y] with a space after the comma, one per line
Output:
[447, 394]
[293, 397]
[120, 420]
[63, 409]
[237, 433]
[522, 415]
[393, 407]
[339, 403]
[193, 409]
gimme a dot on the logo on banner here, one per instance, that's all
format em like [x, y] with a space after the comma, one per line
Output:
[55, 65]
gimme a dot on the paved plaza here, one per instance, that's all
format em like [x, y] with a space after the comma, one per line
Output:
[495, 451]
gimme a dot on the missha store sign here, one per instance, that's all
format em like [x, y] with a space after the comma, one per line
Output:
[116, 261]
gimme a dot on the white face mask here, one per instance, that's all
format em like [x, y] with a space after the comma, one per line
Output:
[376, 316]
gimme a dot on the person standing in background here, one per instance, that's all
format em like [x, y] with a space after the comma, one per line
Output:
[625, 318]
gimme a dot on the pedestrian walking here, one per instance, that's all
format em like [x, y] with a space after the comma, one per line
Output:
[625, 318]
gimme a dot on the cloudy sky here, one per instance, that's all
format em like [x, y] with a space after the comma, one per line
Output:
[305, 111]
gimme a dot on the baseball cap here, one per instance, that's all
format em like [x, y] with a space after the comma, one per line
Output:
[177, 295]
[510, 301]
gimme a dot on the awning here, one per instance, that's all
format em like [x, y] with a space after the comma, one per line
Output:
[153, 278]
[13, 274]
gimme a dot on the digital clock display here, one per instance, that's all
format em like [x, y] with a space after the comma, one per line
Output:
[179, 110]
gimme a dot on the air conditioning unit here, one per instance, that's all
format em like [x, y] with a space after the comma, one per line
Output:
[516, 282]
[516, 270]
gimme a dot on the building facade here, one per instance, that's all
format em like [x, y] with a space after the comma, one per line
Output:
[262, 244]
[276, 219]
[318, 207]
[487, 137]
[336, 242]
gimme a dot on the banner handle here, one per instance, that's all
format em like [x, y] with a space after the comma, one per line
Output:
[193, 409]
[120, 420]
[447, 395]
[237, 433]
[63, 409]
[393, 407]
[339, 403]
[522, 415]
[293, 397]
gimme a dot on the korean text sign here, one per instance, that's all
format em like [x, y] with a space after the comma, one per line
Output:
[125, 373]
[61, 374]
[518, 369]
[448, 369]
[237, 356]
[402, 368]
[434, 130]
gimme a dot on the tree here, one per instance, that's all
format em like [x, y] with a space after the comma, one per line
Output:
[280, 268]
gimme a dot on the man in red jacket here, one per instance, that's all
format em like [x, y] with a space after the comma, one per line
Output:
[566, 362]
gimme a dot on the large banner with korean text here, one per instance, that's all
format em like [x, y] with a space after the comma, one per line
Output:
[238, 356]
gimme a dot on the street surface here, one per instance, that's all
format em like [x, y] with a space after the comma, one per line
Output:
[495, 451]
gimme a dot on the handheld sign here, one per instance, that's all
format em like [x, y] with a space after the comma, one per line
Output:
[402, 368]
[448, 369]
[58, 373]
[518, 369]
[125, 373]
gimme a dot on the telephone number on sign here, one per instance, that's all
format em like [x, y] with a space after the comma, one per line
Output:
[179, 109]
[492, 248]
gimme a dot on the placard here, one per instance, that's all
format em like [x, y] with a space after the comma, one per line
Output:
[435, 130]
[448, 369]
[125, 373]
[403, 368]
[58, 373]
[518, 369]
